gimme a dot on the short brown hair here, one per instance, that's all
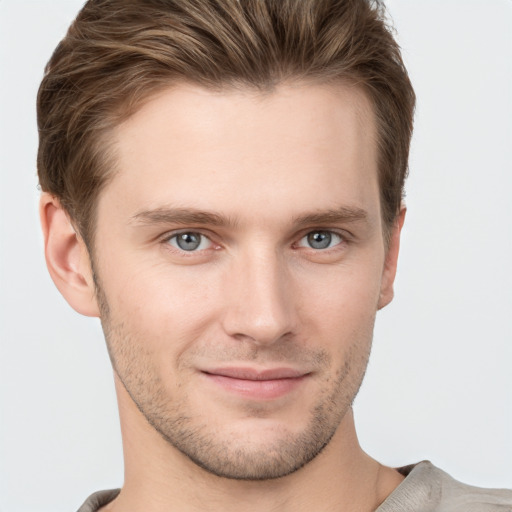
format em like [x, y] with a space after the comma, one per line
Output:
[118, 53]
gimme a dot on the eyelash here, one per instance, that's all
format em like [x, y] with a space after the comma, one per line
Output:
[343, 239]
[166, 240]
[330, 234]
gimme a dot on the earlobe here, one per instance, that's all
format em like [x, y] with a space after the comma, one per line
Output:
[390, 264]
[67, 257]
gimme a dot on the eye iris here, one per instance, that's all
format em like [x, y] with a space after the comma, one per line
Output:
[188, 241]
[319, 239]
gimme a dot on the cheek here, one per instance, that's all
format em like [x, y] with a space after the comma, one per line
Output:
[340, 315]
[344, 296]
[159, 303]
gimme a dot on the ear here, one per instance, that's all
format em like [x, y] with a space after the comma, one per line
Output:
[67, 257]
[390, 263]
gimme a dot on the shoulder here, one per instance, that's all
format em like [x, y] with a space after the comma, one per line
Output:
[427, 488]
[97, 500]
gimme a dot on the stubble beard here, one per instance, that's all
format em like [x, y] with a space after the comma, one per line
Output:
[222, 453]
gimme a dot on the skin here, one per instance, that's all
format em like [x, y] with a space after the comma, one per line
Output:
[257, 179]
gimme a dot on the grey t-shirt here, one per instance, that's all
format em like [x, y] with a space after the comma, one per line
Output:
[425, 489]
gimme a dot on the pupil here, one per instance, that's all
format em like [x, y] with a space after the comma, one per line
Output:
[188, 241]
[319, 240]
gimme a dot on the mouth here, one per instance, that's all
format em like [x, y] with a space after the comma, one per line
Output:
[257, 384]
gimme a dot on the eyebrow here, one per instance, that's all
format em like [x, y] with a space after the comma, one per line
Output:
[183, 216]
[187, 216]
[333, 216]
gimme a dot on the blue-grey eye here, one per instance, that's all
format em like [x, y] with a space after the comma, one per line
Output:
[190, 241]
[320, 240]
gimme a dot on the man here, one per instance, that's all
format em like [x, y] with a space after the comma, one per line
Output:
[222, 187]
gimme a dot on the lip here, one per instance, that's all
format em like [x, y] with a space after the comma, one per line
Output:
[257, 384]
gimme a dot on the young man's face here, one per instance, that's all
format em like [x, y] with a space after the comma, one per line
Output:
[241, 261]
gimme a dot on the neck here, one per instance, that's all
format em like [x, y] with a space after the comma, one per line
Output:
[159, 478]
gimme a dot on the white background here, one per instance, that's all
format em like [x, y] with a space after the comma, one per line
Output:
[439, 385]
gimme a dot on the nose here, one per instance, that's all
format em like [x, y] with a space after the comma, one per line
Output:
[259, 305]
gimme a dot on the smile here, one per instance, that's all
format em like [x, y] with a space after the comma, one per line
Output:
[256, 384]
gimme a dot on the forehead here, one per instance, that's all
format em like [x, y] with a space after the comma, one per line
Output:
[233, 150]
